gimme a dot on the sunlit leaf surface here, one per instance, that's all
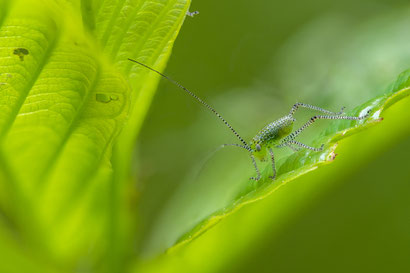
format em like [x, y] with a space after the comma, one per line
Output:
[66, 94]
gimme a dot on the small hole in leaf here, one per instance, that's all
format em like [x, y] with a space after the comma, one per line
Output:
[106, 98]
[21, 52]
[102, 98]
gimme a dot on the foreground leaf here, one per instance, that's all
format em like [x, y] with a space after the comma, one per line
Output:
[66, 93]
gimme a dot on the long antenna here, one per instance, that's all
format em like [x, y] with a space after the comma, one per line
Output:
[198, 99]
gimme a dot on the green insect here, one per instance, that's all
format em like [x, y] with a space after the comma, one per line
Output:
[277, 134]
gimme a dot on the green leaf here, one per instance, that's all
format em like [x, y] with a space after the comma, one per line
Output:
[289, 167]
[71, 106]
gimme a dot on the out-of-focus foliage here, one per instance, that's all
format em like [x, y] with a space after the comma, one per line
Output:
[67, 91]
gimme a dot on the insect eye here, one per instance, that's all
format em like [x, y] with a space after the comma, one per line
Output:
[258, 147]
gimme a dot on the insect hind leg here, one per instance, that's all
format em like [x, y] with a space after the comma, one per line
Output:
[296, 106]
[293, 135]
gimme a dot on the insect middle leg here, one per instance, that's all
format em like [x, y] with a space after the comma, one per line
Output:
[295, 149]
[290, 144]
[272, 157]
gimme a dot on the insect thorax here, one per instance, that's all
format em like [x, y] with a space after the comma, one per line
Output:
[271, 134]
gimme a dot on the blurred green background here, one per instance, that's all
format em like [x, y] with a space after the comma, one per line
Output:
[252, 61]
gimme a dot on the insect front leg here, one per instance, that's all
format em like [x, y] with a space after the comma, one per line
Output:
[258, 174]
[272, 157]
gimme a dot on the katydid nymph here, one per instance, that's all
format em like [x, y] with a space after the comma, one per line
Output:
[277, 134]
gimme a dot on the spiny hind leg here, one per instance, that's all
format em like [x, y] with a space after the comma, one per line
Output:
[272, 157]
[258, 173]
[293, 135]
[296, 106]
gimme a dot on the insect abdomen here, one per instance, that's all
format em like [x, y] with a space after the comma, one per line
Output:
[274, 131]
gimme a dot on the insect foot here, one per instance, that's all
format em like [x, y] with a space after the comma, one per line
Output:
[367, 114]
